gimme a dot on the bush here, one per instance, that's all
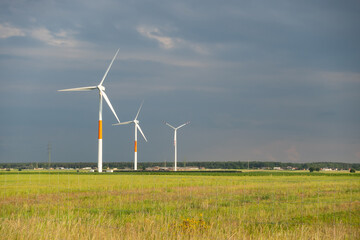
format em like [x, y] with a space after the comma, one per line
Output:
[352, 170]
[311, 169]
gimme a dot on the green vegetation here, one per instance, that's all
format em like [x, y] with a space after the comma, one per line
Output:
[194, 205]
[207, 165]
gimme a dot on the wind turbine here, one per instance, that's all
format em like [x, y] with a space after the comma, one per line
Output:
[137, 127]
[175, 144]
[102, 95]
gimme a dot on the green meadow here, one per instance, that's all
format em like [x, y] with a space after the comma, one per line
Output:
[253, 205]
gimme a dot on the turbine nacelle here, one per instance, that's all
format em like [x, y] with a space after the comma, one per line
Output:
[101, 87]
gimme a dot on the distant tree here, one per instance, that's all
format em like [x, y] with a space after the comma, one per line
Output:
[317, 169]
[352, 170]
[311, 169]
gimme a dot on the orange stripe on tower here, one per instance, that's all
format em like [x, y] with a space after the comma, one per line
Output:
[100, 129]
[135, 146]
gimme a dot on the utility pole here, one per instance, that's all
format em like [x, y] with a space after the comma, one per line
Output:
[49, 154]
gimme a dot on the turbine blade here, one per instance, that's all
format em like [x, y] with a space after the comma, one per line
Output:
[138, 127]
[78, 89]
[108, 68]
[170, 125]
[139, 110]
[123, 123]
[183, 125]
[109, 103]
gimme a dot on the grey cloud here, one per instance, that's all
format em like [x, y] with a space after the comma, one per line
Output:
[258, 80]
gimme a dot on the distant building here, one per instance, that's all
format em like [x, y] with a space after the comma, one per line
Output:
[326, 169]
[157, 168]
[277, 168]
[188, 168]
[165, 169]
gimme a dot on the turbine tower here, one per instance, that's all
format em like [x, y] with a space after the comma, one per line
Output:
[102, 95]
[137, 127]
[175, 144]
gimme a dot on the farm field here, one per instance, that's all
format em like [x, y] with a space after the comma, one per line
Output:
[179, 206]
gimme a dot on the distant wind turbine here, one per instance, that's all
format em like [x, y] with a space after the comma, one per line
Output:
[175, 144]
[137, 127]
[102, 95]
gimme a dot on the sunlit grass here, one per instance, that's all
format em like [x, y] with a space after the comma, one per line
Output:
[130, 206]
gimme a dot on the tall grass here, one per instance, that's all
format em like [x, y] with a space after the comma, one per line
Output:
[128, 206]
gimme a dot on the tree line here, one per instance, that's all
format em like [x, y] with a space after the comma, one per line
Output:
[207, 165]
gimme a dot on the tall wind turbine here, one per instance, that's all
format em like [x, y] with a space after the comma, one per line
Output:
[137, 127]
[175, 144]
[102, 95]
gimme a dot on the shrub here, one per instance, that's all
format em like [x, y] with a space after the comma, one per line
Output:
[352, 170]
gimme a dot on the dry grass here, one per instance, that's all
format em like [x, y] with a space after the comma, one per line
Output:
[178, 207]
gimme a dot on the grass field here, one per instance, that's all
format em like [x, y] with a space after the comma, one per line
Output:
[179, 206]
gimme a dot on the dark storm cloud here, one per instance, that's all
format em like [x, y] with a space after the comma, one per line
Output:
[258, 80]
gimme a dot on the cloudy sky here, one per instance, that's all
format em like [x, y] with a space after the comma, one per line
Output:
[259, 80]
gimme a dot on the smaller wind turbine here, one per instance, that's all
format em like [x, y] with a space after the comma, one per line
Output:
[137, 127]
[175, 144]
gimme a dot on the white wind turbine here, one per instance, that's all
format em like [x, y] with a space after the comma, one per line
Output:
[137, 127]
[175, 144]
[102, 95]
